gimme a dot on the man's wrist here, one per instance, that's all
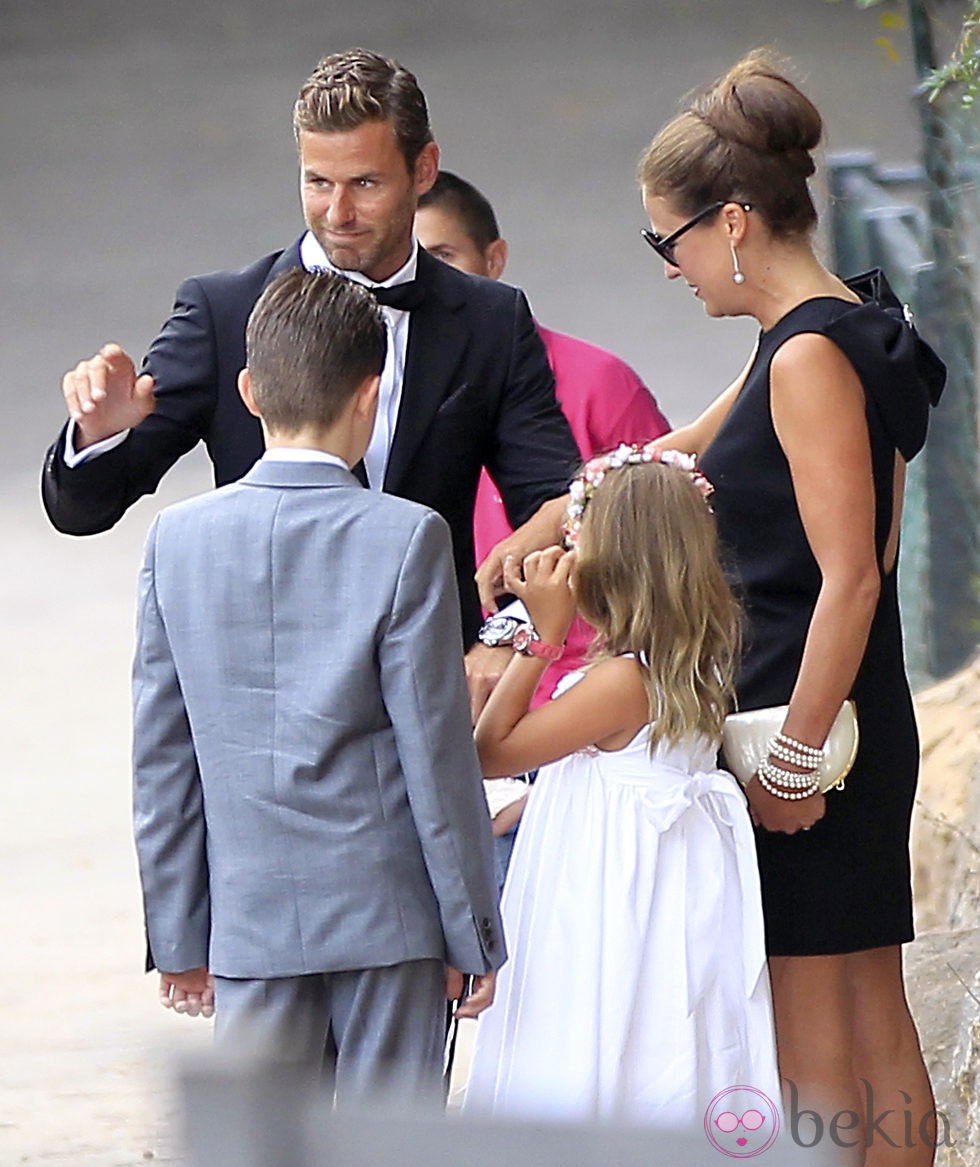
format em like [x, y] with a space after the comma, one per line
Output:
[498, 631]
[78, 451]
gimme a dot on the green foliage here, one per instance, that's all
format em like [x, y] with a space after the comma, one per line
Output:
[963, 67]
[961, 71]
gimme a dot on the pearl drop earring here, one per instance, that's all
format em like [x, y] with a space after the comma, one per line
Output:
[738, 276]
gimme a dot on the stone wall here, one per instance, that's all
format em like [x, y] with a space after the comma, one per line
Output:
[946, 826]
[943, 964]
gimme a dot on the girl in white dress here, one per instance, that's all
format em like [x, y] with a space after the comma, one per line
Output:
[636, 988]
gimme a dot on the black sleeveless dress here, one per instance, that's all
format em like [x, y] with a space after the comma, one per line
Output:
[845, 885]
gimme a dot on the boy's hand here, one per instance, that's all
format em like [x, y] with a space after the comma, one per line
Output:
[190, 992]
[545, 588]
[479, 997]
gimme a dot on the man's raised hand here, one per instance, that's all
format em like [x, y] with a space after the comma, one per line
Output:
[104, 396]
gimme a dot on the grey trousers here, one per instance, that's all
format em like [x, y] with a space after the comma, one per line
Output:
[377, 1032]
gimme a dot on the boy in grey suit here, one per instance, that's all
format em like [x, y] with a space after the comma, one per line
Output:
[309, 816]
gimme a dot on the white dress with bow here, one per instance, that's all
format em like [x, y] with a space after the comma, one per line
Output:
[637, 986]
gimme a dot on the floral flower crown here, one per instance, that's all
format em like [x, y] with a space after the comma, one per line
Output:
[595, 470]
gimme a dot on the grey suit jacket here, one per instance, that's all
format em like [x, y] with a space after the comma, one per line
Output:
[306, 792]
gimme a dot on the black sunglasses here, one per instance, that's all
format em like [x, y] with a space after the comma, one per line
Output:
[664, 247]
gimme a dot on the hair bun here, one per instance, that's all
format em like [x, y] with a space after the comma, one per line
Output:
[748, 137]
[755, 106]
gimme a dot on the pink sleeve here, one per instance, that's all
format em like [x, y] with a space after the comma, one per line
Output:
[624, 411]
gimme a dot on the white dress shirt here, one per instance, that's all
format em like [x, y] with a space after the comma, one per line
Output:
[302, 454]
[393, 375]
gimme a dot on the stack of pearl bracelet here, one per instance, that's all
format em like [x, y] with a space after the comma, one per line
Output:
[788, 749]
[790, 784]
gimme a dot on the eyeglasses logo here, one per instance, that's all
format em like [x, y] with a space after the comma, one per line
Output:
[741, 1122]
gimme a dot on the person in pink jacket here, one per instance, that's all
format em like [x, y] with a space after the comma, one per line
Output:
[603, 399]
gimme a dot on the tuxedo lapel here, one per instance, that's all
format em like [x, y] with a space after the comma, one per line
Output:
[290, 258]
[436, 343]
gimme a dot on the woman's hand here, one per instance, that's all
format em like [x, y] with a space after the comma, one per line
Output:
[544, 586]
[543, 529]
[782, 814]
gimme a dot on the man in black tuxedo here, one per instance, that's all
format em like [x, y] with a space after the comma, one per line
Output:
[466, 384]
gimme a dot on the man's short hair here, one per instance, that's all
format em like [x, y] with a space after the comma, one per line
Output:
[311, 340]
[461, 199]
[346, 90]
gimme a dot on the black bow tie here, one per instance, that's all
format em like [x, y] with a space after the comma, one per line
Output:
[402, 296]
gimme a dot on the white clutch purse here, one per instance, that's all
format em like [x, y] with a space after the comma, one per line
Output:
[746, 735]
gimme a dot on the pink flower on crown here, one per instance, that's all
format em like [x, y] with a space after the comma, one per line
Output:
[584, 485]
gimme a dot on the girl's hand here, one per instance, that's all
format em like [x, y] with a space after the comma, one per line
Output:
[545, 589]
[542, 529]
[782, 814]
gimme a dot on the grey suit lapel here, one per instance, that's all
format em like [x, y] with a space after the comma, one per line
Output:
[436, 344]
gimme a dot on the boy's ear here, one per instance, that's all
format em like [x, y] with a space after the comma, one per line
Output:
[496, 257]
[245, 392]
[366, 396]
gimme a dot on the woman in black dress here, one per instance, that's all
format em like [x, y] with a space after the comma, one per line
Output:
[807, 452]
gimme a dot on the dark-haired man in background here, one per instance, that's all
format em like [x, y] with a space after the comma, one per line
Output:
[603, 398]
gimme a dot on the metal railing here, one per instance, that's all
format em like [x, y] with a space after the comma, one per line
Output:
[883, 217]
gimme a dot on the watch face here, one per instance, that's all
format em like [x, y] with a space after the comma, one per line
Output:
[498, 630]
[522, 638]
[527, 641]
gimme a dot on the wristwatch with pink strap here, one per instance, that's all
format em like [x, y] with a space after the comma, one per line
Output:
[529, 643]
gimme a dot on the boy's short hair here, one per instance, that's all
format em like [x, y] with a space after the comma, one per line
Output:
[470, 207]
[311, 340]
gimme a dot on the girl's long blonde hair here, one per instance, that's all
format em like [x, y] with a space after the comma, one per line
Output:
[649, 579]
